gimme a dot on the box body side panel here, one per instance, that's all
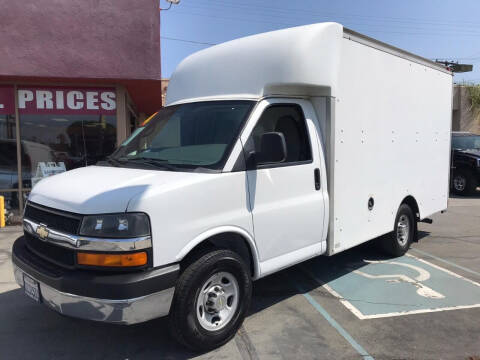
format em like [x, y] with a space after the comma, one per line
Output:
[391, 139]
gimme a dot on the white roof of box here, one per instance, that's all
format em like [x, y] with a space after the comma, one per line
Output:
[303, 60]
[300, 60]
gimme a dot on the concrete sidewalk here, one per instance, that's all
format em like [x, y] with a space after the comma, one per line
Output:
[7, 237]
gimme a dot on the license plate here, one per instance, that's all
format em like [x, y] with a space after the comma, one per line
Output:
[31, 287]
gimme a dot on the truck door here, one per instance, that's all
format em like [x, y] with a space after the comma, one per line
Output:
[287, 199]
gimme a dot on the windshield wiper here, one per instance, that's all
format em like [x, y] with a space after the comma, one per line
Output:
[113, 161]
[149, 161]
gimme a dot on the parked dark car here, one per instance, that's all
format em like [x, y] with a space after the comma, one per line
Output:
[465, 167]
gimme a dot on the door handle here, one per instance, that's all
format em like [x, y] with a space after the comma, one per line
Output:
[316, 175]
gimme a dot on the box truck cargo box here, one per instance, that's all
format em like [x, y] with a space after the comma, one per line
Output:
[272, 149]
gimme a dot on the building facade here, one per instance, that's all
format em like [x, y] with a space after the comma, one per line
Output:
[164, 90]
[76, 77]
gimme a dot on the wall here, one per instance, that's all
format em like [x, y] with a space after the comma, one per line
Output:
[113, 39]
[463, 117]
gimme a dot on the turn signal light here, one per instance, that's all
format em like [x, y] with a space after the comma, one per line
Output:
[112, 260]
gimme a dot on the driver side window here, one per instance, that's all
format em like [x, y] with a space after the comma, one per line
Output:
[289, 120]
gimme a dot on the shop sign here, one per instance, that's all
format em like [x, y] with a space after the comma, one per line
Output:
[66, 100]
[7, 99]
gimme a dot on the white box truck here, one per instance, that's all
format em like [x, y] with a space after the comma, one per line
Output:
[272, 149]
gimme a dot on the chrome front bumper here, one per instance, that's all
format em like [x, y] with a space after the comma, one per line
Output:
[125, 311]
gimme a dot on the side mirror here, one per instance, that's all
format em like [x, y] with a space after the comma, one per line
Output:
[273, 149]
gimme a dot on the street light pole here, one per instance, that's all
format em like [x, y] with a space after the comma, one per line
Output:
[174, 2]
[171, 2]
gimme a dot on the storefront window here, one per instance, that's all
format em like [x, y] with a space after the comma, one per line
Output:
[75, 140]
[61, 128]
[8, 162]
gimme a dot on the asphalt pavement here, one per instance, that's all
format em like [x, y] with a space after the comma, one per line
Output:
[355, 305]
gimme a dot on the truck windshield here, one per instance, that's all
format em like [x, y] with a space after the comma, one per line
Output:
[466, 142]
[193, 135]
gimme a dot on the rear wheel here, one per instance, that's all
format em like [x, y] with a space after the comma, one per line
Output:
[211, 300]
[463, 183]
[397, 242]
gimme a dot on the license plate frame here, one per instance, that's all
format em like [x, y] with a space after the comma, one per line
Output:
[31, 288]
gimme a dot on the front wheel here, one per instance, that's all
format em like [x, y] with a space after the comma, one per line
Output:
[463, 183]
[211, 300]
[398, 242]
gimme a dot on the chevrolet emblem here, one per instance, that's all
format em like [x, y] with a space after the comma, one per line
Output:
[42, 232]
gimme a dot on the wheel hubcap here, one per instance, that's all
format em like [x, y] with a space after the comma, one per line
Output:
[217, 301]
[403, 230]
[459, 182]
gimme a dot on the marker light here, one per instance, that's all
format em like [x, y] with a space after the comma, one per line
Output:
[112, 260]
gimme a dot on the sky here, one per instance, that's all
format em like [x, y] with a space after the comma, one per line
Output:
[435, 29]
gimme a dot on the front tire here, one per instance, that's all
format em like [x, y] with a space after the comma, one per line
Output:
[398, 242]
[211, 299]
[463, 183]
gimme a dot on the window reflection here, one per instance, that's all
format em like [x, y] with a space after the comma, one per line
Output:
[76, 140]
[8, 162]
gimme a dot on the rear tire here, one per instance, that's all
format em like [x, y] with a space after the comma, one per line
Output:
[211, 299]
[398, 242]
[463, 182]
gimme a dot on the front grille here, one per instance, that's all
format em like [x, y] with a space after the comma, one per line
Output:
[53, 219]
[56, 254]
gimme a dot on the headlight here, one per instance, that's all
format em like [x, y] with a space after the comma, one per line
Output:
[124, 225]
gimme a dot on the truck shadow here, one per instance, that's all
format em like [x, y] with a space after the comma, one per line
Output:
[31, 331]
[311, 275]
[475, 195]
[422, 234]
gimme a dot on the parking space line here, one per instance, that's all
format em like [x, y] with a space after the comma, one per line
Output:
[333, 322]
[342, 300]
[445, 261]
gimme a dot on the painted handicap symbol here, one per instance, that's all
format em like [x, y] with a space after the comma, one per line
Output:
[395, 287]
[423, 275]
